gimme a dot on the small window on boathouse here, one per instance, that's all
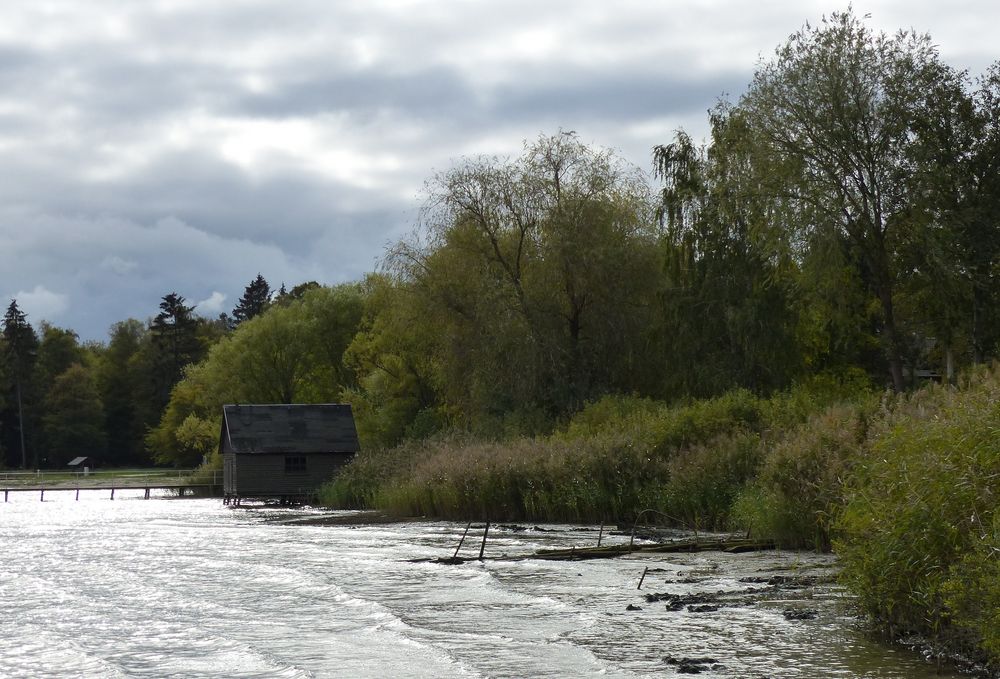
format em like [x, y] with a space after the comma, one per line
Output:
[295, 464]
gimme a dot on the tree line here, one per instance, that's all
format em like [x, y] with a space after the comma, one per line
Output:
[840, 220]
[60, 398]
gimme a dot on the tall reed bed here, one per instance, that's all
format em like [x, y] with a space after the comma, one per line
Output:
[798, 490]
[920, 535]
[617, 457]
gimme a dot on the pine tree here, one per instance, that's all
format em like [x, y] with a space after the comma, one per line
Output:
[20, 354]
[256, 298]
[174, 335]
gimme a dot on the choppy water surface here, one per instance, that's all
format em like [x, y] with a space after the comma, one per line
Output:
[189, 588]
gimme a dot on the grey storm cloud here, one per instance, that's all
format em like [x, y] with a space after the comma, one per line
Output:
[431, 92]
[186, 145]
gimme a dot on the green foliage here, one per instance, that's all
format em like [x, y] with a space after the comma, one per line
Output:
[74, 418]
[839, 113]
[704, 480]
[528, 288]
[20, 414]
[57, 351]
[919, 535]
[669, 428]
[197, 437]
[120, 377]
[798, 490]
[617, 457]
[730, 300]
[292, 353]
[392, 355]
[255, 300]
[174, 344]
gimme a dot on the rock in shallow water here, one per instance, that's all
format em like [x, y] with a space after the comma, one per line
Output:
[692, 665]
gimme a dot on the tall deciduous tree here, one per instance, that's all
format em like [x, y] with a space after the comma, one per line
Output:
[120, 377]
[536, 273]
[729, 281]
[393, 355]
[837, 110]
[953, 268]
[74, 417]
[58, 349]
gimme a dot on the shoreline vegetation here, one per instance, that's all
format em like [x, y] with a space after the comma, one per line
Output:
[903, 488]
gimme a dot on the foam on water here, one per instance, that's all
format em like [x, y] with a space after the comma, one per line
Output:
[189, 588]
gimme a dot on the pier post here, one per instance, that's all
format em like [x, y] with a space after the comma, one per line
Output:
[482, 547]
[5, 494]
[601, 534]
[467, 527]
[43, 495]
[644, 571]
[112, 493]
[77, 494]
[146, 496]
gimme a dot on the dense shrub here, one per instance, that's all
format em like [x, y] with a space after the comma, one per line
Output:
[536, 479]
[799, 487]
[617, 457]
[704, 480]
[357, 485]
[919, 537]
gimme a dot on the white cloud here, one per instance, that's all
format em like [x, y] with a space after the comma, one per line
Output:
[213, 305]
[119, 266]
[41, 304]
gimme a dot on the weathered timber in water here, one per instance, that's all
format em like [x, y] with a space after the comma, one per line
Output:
[731, 546]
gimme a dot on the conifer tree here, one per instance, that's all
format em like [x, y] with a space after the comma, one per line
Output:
[256, 298]
[20, 354]
[174, 335]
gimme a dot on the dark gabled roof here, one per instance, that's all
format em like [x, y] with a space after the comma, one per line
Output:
[325, 428]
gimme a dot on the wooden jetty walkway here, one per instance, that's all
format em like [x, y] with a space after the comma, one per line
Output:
[180, 489]
[182, 482]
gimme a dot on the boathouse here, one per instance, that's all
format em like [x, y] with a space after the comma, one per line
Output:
[82, 463]
[284, 452]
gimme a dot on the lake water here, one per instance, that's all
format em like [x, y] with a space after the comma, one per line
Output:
[190, 588]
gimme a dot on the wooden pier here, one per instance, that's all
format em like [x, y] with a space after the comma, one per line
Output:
[181, 481]
[208, 489]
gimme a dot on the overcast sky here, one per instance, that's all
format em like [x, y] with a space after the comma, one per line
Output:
[151, 146]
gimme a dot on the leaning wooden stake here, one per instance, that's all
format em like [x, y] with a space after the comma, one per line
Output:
[482, 547]
[644, 571]
[455, 555]
[601, 534]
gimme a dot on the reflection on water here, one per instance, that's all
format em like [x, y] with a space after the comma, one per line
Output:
[189, 588]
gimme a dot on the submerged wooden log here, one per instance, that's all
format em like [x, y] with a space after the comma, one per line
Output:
[700, 544]
[733, 546]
